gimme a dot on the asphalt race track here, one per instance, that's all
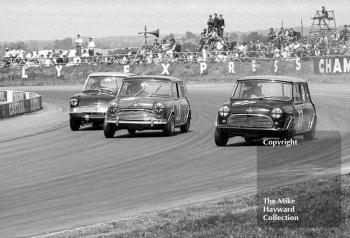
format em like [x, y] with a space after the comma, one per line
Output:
[52, 178]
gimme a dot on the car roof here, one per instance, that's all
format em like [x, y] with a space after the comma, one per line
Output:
[157, 77]
[115, 74]
[274, 78]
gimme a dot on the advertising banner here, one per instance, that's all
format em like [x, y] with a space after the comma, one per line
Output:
[332, 65]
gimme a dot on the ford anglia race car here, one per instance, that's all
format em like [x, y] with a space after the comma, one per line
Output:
[90, 105]
[267, 106]
[149, 103]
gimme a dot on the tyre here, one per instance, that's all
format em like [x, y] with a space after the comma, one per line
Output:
[109, 130]
[132, 131]
[186, 127]
[170, 126]
[221, 138]
[311, 134]
[290, 134]
[74, 124]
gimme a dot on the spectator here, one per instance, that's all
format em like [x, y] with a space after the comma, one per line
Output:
[221, 26]
[210, 23]
[323, 16]
[344, 34]
[91, 47]
[78, 45]
[76, 59]
[271, 35]
[216, 22]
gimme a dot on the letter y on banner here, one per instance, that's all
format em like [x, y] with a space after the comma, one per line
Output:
[165, 69]
[58, 69]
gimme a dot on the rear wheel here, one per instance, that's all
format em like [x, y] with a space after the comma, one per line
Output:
[186, 127]
[74, 124]
[132, 131]
[170, 126]
[221, 138]
[311, 134]
[109, 130]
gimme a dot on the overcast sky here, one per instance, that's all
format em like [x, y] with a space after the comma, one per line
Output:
[57, 19]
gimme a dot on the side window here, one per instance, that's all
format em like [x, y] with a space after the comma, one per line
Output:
[182, 89]
[175, 92]
[296, 93]
[303, 93]
[307, 93]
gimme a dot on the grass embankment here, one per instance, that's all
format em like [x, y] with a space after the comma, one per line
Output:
[236, 217]
[189, 72]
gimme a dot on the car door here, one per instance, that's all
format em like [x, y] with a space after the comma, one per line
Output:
[308, 108]
[176, 103]
[184, 105]
[298, 109]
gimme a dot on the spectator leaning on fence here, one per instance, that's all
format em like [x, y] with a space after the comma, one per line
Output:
[78, 44]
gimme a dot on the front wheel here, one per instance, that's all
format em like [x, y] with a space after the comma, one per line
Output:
[170, 126]
[311, 134]
[109, 130]
[74, 124]
[221, 138]
[186, 127]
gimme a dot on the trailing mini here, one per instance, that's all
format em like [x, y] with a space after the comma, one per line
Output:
[149, 103]
[267, 107]
[90, 105]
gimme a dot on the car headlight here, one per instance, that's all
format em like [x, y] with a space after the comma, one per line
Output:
[158, 108]
[276, 112]
[224, 111]
[113, 107]
[74, 102]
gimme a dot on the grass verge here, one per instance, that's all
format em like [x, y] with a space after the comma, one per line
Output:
[229, 217]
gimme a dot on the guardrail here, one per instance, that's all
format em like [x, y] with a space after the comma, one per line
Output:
[14, 103]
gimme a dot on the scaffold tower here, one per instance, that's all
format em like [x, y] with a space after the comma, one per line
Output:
[322, 24]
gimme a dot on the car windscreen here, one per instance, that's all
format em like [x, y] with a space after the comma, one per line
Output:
[145, 88]
[253, 89]
[102, 83]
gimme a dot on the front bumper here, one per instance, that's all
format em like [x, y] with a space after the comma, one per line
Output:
[151, 124]
[253, 132]
[88, 116]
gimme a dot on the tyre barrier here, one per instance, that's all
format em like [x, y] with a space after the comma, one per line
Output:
[14, 103]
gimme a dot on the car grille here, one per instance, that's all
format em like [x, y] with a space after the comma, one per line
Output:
[91, 109]
[250, 121]
[135, 115]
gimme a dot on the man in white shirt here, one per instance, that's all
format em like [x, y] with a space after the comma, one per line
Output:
[78, 45]
[91, 47]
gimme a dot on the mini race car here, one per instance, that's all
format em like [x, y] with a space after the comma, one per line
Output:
[90, 105]
[149, 103]
[267, 106]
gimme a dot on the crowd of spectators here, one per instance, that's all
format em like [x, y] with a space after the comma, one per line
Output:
[286, 44]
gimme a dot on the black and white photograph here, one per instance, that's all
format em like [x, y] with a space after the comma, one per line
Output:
[174, 119]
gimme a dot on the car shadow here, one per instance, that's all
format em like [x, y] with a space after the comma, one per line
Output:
[91, 128]
[146, 134]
